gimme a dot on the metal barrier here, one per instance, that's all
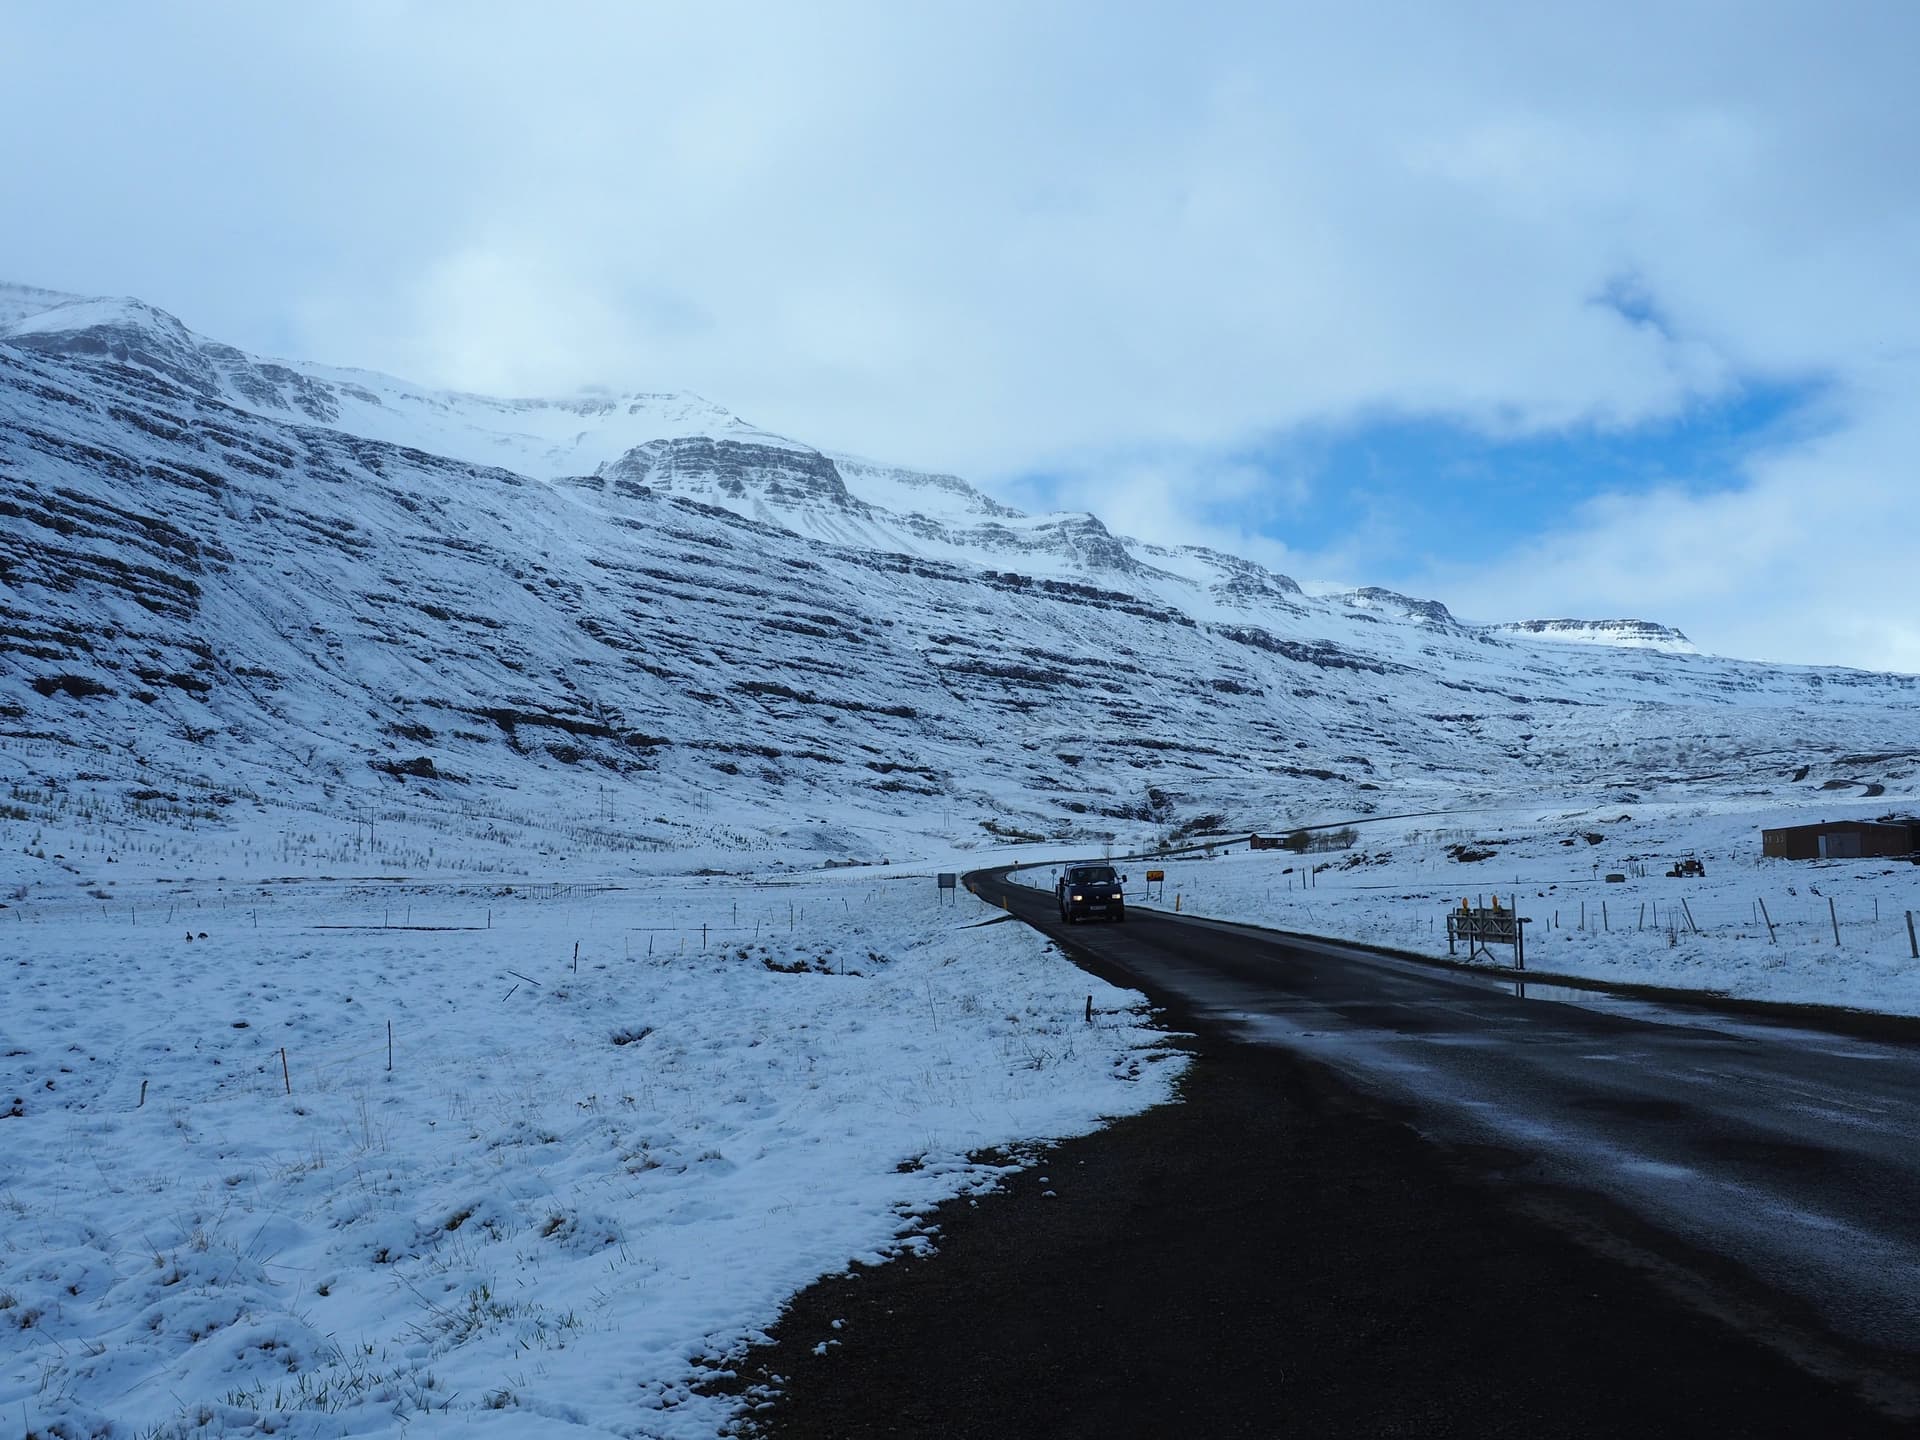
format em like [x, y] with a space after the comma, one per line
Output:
[1483, 928]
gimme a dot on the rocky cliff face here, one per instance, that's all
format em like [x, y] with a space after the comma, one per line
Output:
[759, 480]
[1643, 634]
[1373, 598]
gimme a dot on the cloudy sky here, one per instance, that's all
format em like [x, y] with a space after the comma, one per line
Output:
[1543, 310]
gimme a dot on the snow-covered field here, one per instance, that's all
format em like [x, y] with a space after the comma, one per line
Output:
[1395, 885]
[582, 1187]
[578, 1188]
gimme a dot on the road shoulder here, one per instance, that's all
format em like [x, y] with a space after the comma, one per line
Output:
[1273, 1253]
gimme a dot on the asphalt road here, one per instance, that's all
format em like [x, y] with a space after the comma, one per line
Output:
[1774, 1169]
[1395, 1200]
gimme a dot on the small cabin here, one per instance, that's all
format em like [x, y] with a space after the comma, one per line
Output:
[1842, 839]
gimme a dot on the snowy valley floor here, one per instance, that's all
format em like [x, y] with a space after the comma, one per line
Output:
[581, 1193]
[577, 1191]
[1707, 933]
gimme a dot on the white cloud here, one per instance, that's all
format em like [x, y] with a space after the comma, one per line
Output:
[1010, 238]
[1810, 560]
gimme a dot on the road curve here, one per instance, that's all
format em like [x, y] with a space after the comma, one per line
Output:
[1769, 1173]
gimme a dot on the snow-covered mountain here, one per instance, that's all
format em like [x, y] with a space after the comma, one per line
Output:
[302, 584]
[543, 438]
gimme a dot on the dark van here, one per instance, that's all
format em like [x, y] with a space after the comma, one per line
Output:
[1091, 890]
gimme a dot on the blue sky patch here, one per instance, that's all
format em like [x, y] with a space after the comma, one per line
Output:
[1402, 492]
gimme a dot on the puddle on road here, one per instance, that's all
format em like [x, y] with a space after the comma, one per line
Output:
[1520, 988]
[1564, 994]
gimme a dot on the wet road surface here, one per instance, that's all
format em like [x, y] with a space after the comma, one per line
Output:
[1400, 1200]
[1792, 1153]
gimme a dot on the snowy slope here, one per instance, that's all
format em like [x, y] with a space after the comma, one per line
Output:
[207, 571]
[19, 302]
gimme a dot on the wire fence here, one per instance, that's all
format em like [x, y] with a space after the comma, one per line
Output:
[1839, 920]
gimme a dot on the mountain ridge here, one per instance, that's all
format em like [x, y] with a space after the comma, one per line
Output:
[961, 523]
[295, 615]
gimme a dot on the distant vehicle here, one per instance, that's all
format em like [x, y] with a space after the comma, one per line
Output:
[1085, 890]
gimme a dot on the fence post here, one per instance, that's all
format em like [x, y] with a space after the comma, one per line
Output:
[1912, 943]
[1687, 910]
[1771, 938]
[1834, 916]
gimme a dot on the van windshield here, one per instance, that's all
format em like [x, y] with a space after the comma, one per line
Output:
[1092, 875]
